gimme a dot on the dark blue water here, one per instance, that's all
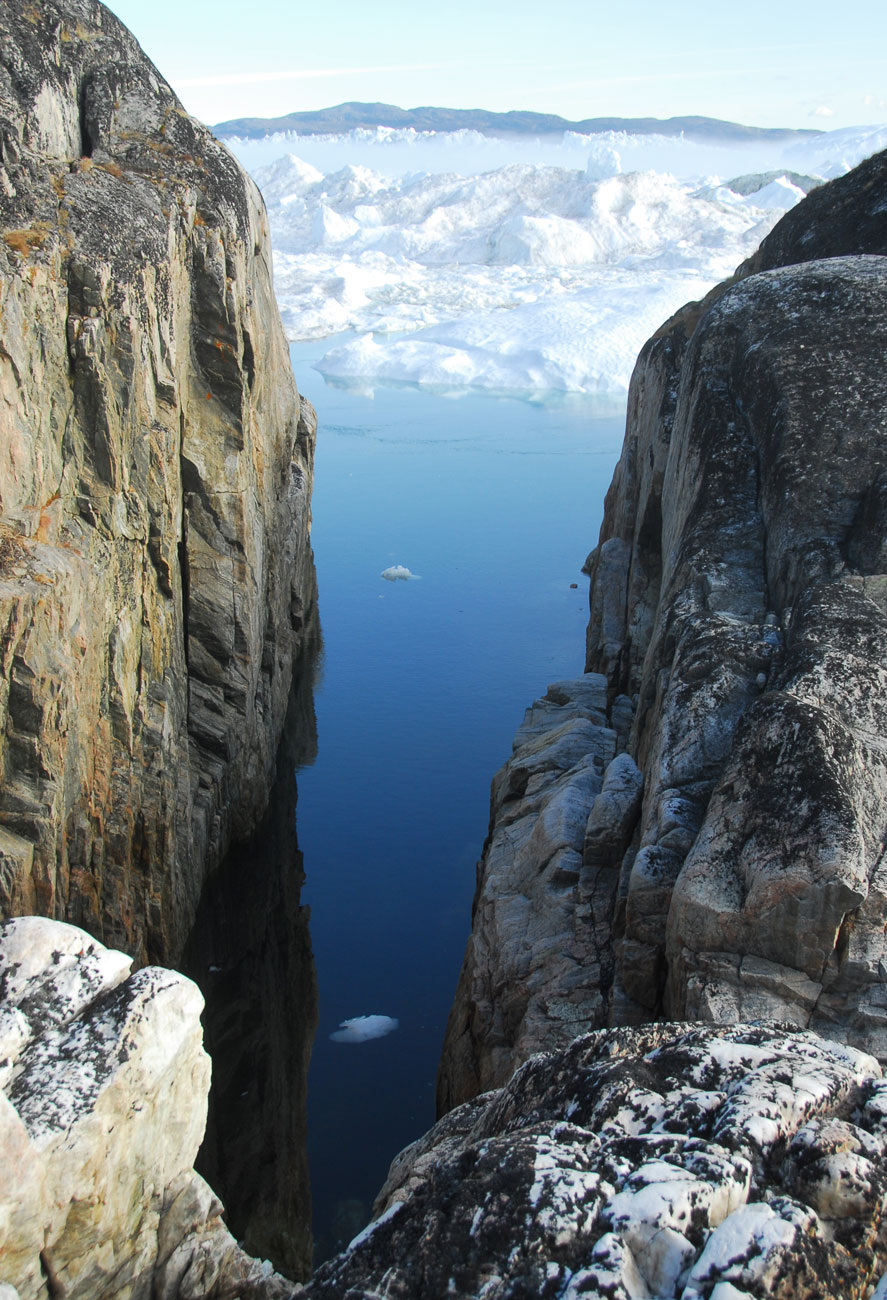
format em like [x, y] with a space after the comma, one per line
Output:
[495, 502]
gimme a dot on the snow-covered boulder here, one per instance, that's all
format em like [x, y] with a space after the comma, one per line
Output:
[103, 1106]
[694, 1162]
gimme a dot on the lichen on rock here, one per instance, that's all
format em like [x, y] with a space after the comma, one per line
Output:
[695, 1162]
[155, 472]
[102, 1110]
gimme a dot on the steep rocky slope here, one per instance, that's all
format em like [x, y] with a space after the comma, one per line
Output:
[728, 863]
[712, 1163]
[155, 470]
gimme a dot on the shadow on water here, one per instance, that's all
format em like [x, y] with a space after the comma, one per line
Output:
[250, 953]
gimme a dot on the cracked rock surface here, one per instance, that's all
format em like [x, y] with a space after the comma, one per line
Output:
[102, 1109]
[738, 617]
[155, 472]
[694, 1162]
[533, 969]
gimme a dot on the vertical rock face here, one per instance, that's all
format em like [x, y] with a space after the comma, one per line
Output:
[103, 1086]
[738, 624]
[754, 884]
[155, 468]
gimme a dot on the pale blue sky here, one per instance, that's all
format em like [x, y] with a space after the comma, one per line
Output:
[763, 62]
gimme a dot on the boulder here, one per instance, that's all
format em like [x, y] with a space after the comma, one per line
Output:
[102, 1109]
[155, 471]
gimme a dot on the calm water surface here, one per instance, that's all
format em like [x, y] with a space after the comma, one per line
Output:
[495, 502]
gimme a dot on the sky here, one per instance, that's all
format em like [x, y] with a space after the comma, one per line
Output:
[797, 63]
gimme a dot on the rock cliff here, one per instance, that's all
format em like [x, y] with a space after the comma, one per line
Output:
[727, 863]
[155, 471]
[103, 1083]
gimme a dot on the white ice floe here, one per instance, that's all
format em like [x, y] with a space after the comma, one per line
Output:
[583, 342]
[398, 573]
[362, 1028]
[483, 264]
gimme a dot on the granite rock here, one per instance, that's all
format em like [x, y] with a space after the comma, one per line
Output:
[531, 977]
[732, 867]
[694, 1162]
[102, 1110]
[758, 664]
[155, 471]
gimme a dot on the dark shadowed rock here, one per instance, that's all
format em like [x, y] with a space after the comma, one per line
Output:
[155, 573]
[250, 955]
[843, 218]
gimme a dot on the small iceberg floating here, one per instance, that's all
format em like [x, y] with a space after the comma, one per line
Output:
[398, 573]
[362, 1028]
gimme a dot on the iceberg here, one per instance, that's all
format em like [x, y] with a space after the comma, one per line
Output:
[586, 342]
[362, 1028]
[513, 265]
[398, 573]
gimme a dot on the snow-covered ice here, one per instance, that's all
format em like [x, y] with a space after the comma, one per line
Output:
[458, 260]
[362, 1028]
[582, 342]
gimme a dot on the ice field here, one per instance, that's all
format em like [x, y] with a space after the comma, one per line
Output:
[458, 260]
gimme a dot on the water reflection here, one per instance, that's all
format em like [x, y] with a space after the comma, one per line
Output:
[250, 953]
[495, 504]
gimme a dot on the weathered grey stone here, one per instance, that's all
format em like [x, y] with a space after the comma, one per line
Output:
[750, 497]
[102, 1111]
[738, 600]
[531, 976]
[674, 1161]
[155, 469]
[614, 814]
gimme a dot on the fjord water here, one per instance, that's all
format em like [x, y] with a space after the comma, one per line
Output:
[494, 503]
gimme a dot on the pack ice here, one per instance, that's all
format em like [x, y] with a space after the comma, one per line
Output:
[527, 276]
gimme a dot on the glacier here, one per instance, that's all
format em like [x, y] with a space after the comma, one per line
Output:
[459, 261]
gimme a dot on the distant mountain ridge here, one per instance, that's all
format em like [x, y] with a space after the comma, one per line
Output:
[347, 117]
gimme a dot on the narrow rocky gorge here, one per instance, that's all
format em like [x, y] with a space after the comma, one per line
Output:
[692, 830]
[156, 578]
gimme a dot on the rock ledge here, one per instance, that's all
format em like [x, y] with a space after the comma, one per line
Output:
[102, 1110]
